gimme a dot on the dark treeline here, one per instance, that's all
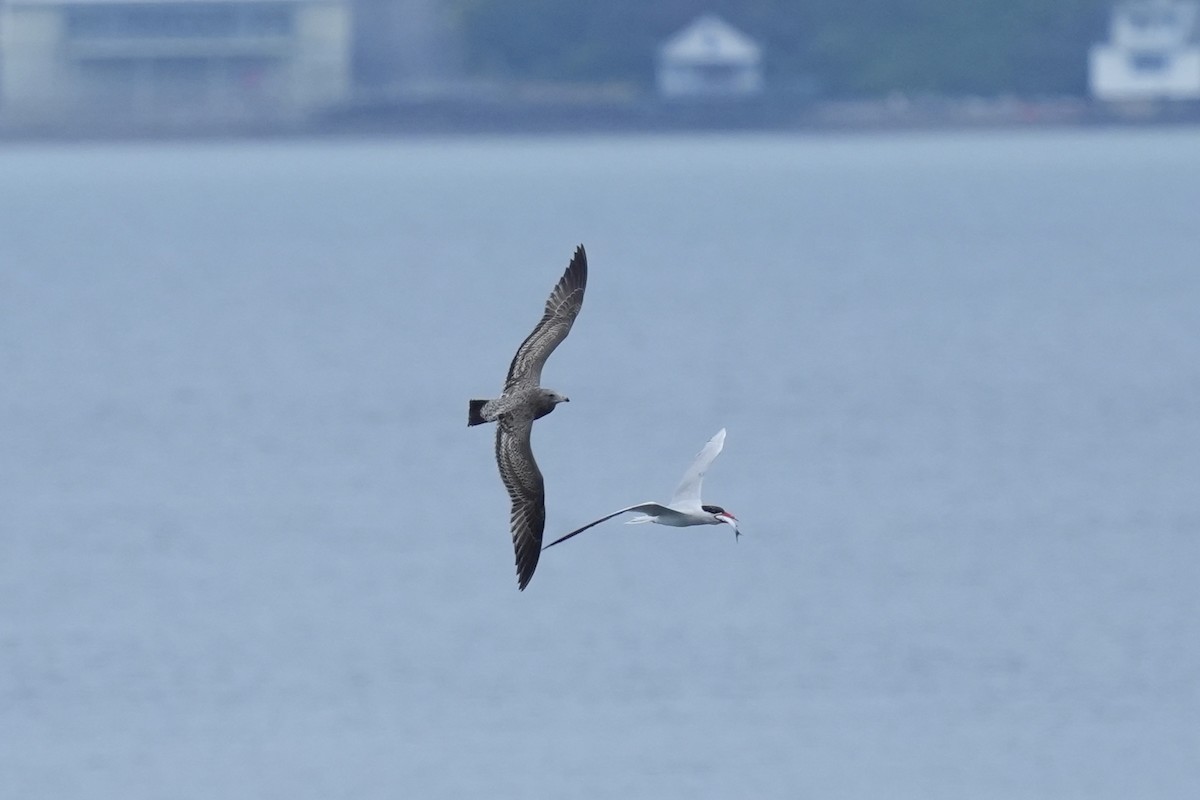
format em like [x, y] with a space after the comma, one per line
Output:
[839, 47]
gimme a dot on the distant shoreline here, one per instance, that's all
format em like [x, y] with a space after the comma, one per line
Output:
[557, 114]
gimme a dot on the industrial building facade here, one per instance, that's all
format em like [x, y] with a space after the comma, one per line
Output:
[173, 59]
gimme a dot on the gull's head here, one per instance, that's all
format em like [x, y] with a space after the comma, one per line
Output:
[546, 401]
[720, 515]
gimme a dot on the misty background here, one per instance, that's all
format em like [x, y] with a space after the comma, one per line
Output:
[841, 49]
[103, 66]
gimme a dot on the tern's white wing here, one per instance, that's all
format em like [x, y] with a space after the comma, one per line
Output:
[687, 495]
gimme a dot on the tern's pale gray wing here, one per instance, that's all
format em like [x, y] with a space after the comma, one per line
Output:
[687, 495]
[561, 309]
[526, 490]
[654, 509]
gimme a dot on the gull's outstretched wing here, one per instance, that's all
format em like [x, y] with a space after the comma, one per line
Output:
[653, 509]
[561, 309]
[687, 495]
[527, 491]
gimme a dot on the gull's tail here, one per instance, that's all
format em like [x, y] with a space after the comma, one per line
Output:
[475, 412]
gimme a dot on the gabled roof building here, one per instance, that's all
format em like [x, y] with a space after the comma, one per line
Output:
[709, 58]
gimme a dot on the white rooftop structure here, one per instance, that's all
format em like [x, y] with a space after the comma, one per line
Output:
[709, 58]
[1153, 52]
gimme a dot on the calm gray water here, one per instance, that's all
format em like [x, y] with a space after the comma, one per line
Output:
[249, 549]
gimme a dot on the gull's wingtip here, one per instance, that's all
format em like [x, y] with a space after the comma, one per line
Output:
[580, 256]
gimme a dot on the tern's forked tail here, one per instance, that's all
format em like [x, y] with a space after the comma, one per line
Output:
[475, 412]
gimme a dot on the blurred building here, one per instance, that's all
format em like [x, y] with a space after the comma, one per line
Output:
[172, 59]
[404, 45]
[1153, 52]
[709, 58]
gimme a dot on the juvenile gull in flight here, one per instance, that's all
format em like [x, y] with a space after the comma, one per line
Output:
[524, 400]
[685, 507]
